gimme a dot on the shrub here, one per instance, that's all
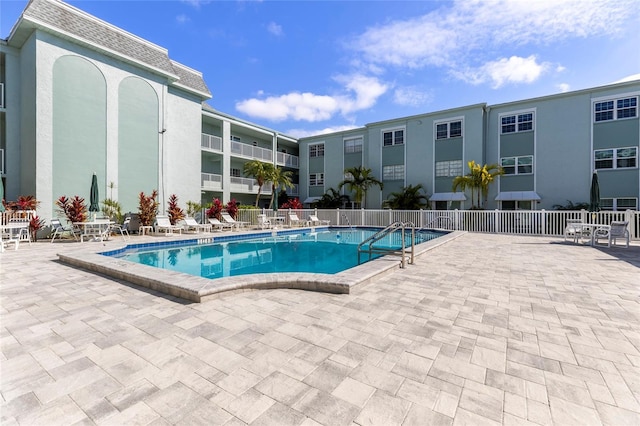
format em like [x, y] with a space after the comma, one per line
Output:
[148, 208]
[215, 209]
[74, 209]
[193, 208]
[232, 208]
[35, 224]
[112, 209]
[24, 202]
[293, 203]
[176, 214]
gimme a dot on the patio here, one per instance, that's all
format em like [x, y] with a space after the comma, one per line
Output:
[486, 329]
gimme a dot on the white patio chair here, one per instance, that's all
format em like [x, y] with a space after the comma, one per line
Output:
[616, 230]
[314, 221]
[574, 230]
[264, 222]
[121, 228]
[220, 226]
[190, 224]
[294, 220]
[227, 218]
[164, 224]
[58, 230]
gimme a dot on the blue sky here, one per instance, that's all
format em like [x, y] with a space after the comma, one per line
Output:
[306, 67]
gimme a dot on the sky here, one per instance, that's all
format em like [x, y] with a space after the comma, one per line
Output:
[310, 67]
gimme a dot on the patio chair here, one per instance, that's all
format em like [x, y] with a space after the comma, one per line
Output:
[574, 230]
[227, 218]
[121, 228]
[294, 220]
[314, 221]
[616, 230]
[190, 224]
[220, 226]
[58, 230]
[164, 224]
[264, 222]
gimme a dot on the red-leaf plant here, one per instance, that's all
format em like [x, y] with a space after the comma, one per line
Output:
[74, 208]
[215, 209]
[232, 208]
[176, 214]
[148, 208]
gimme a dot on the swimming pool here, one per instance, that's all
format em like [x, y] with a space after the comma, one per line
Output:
[327, 251]
[198, 289]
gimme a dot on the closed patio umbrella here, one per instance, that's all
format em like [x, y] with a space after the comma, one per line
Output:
[594, 196]
[1, 196]
[94, 205]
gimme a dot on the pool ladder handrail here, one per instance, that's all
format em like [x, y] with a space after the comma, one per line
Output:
[346, 218]
[403, 227]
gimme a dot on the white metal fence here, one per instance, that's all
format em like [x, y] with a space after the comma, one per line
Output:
[534, 222]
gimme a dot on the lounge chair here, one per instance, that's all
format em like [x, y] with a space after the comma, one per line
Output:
[227, 218]
[164, 224]
[294, 220]
[613, 232]
[190, 224]
[574, 230]
[220, 226]
[58, 230]
[264, 222]
[314, 221]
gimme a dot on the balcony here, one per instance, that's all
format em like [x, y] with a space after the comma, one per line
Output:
[210, 142]
[287, 160]
[211, 182]
[251, 152]
[248, 186]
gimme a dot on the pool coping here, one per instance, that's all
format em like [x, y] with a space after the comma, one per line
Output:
[198, 289]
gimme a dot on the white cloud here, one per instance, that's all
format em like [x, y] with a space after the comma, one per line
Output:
[182, 19]
[511, 70]
[458, 33]
[196, 3]
[563, 87]
[275, 29]
[360, 92]
[410, 96]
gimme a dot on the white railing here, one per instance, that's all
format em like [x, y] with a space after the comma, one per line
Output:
[1, 95]
[211, 142]
[535, 222]
[250, 151]
[19, 216]
[2, 169]
[246, 185]
[287, 160]
[211, 182]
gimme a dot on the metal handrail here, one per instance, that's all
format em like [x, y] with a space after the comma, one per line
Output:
[402, 226]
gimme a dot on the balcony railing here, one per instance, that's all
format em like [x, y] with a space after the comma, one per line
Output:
[246, 185]
[211, 182]
[287, 160]
[211, 142]
[250, 151]
[1, 95]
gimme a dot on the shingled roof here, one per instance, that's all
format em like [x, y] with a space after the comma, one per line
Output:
[58, 17]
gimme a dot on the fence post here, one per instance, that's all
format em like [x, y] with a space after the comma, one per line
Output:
[362, 217]
[456, 220]
[421, 221]
[338, 216]
[543, 222]
[628, 217]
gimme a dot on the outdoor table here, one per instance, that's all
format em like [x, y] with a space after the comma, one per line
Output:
[98, 229]
[593, 228]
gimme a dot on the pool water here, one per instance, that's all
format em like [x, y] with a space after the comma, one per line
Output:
[328, 252]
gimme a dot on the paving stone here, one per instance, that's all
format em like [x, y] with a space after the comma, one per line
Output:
[326, 409]
[354, 392]
[383, 409]
[282, 388]
[420, 415]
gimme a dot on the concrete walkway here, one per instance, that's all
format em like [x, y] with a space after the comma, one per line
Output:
[486, 329]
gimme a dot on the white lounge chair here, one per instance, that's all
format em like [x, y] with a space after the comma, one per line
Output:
[190, 224]
[164, 224]
[314, 221]
[613, 232]
[264, 222]
[294, 220]
[227, 218]
[220, 226]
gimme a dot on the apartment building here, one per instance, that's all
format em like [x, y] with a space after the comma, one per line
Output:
[549, 148]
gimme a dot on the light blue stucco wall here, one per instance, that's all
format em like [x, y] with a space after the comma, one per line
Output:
[79, 127]
[25, 154]
[138, 155]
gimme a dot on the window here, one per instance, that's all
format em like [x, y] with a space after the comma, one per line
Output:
[394, 137]
[616, 109]
[619, 204]
[516, 205]
[452, 129]
[517, 122]
[393, 172]
[316, 179]
[235, 172]
[352, 145]
[616, 158]
[517, 165]
[316, 150]
[235, 138]
[449, 168]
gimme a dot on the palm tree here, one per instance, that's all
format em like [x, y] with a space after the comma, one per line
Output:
[359, 180]
[332, 199]
[260, 171]
[477, 180]
[279, 178]
[409, 198]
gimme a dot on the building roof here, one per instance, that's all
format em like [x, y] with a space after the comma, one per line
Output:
[65, 21]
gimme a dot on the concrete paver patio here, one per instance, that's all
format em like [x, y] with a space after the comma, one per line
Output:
[486, 329]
